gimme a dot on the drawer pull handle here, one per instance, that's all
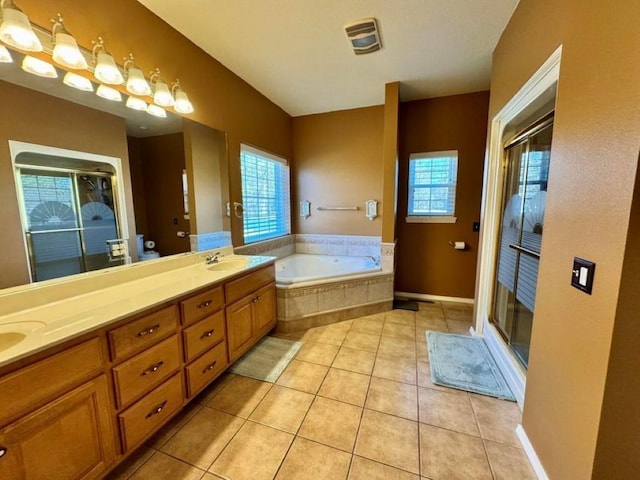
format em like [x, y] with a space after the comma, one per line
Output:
[148, 331]
[209, 367]
[156, 410]
[207, 334]
[205, 304]
[152, 369]
[3, 451]
[256, 300]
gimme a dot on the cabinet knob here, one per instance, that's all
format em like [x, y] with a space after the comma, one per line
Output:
[152, 369]
[148, 331]
[156, 410]
[209, 367]
[207, 334]
[3, 451]
[205, 304]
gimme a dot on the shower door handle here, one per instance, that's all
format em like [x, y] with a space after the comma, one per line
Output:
[525, 251]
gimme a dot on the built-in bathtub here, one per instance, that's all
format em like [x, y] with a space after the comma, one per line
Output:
[314, 290]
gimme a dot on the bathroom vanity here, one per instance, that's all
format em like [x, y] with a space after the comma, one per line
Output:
[111, 365]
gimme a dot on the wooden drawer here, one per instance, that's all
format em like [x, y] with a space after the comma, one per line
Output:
[201, 305]
[34, 385]
[243, 286]
[140, 374]
[203, 370]
[143, 332]
[203, 335]
[147, 415]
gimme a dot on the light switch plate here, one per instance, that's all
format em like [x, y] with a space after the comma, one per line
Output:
[582, 274]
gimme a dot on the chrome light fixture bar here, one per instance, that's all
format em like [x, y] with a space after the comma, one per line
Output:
[106, 70]
[65, 49]
[16, 30]
[136, 83]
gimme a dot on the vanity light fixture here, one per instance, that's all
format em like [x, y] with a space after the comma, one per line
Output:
[156, 111]
[161, 93]
[106, 69]
[182, 103]
[78, 81]
[5, 56]
[15, 28]
[109, 93]
[135, 103]
[65, 47]
[38, 67]
[136, 83]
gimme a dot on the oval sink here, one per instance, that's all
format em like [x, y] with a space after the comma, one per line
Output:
[9, 339]
[231, 264]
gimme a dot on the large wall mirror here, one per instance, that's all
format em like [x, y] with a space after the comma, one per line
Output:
[62, 197]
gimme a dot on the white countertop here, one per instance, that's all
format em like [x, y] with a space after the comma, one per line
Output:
[51, 323]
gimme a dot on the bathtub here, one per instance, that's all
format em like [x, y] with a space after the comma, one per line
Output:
[302, 267]
[314, 290]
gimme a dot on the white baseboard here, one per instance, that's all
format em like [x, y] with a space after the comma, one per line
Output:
[510, 369]
[434, 298]
[531, 453]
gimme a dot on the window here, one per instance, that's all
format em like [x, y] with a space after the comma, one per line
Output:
[265, 195]
[432, 187]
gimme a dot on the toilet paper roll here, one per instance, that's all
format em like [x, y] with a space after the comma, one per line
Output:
[149, 244]
[459, 245]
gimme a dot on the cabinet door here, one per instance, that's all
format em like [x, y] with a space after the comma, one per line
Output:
[68, 439]
[240, 327]
[265, 310]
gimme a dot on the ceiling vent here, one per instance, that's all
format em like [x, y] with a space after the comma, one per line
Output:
[363, 35]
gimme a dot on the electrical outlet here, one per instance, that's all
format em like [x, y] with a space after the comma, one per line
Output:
[475, 227]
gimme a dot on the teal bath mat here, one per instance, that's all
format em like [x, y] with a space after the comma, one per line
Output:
[267, 359]
[465, 363]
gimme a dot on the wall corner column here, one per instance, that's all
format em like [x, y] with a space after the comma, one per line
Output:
[390, 161]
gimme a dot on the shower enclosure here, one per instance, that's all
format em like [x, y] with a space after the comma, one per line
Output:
[522, 226]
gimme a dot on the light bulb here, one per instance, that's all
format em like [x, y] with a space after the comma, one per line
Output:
[67, 53]
[162, 96]
[156, 111]
[182, 104]
[109, 93]
[77, 81]
[136, 104]
[136, 83]
[106, 70]
[16, 31]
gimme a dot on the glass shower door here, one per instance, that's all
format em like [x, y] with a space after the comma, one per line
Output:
[522, 226]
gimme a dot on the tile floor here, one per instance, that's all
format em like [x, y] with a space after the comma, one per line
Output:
[356, 403]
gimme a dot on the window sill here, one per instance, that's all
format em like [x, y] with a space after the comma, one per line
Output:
[434, 219]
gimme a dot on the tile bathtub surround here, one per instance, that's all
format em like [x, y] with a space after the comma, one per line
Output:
[207, 241]
[278, 247]
[347, 408]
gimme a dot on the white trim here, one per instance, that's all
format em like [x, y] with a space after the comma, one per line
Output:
[508, 365]
[432, 219]
[434, 298]
[536, 464]
[261, 153]
[546, 76]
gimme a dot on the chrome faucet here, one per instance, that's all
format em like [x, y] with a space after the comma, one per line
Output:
[211, 259]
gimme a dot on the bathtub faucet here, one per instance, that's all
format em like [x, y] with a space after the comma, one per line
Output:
[211, 259]
[376, 260]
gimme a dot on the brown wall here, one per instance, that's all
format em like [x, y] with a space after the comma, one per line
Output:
[426, 263]
[337, 162]
[69, 126]
[221, 99]
[593, 169]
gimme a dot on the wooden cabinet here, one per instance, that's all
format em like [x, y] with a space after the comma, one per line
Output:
[240, 332]
[70, 438]
[264, 318]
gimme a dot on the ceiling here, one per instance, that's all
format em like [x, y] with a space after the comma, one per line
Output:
[296, 53]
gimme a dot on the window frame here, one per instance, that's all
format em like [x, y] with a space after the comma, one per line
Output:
[284, 196]
[431, 218]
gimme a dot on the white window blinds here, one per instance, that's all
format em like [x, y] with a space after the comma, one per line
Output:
[432, 183]
[265, 195]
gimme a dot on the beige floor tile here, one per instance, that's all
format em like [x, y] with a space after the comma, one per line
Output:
[332, 423]
[359, 361]
[309, 460]
[320, 353]
[282, 408]
[332, 336]
[452, 455]
[388, 439]
[131, 464]
[255, 453]
[345, 386]
[362, 341]
[422, 352]
[365, 469]
[395, 368]
[163, 466]
[402, 317]
[447, 410]
[170, 429]
[240, 396]
[211, 476]
[431, 321]
[212, 390]
[424, 380]
[461, 327]
[372, 324]
[397, 347]
[303, 376]
[393, 398]
[429, 305]
[508, 462]
[397, 330]
[497, 419]
[203, 437]
[457, 311]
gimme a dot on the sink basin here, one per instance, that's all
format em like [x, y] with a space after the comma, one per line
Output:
[227, 265]
[9, 339]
